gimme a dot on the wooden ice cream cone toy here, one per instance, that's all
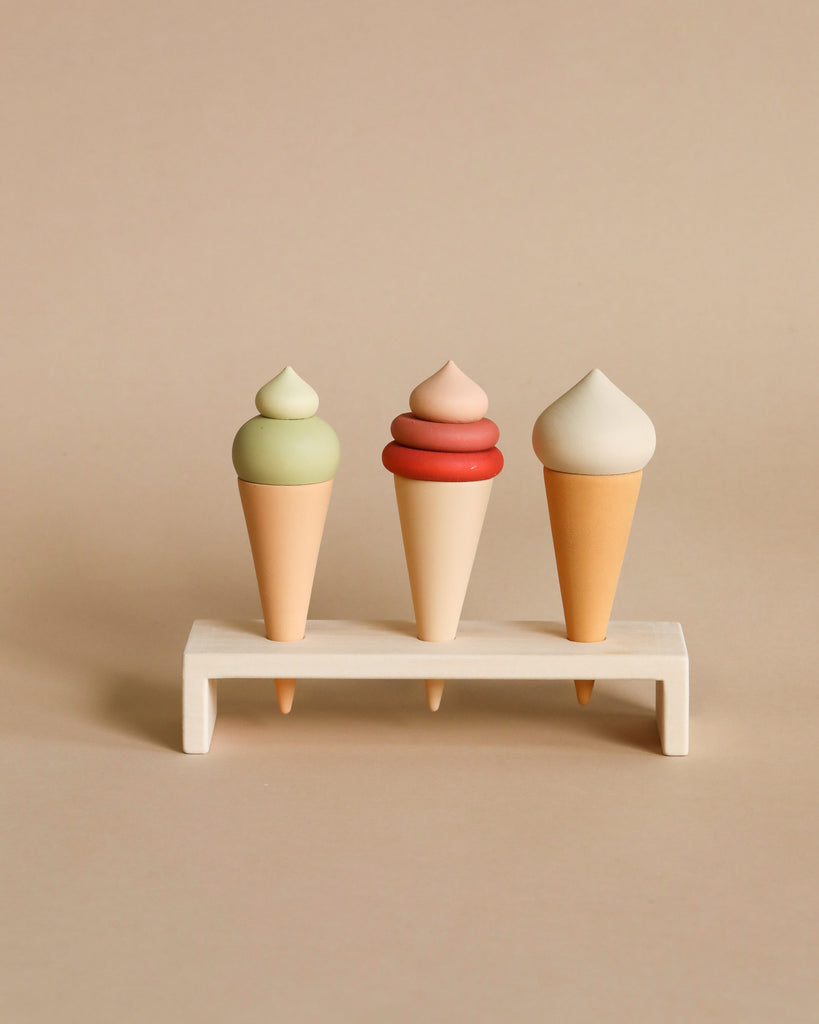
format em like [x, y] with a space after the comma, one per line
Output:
[441, 523]
[285, 526]
[591, 520]
[285, 459]
[444, 460]
[593, 443]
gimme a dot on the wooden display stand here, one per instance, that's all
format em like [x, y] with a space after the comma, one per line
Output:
[339, 649]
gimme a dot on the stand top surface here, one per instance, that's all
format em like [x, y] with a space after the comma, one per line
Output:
[351, 648]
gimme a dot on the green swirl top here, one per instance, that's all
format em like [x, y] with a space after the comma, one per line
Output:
[287, 444]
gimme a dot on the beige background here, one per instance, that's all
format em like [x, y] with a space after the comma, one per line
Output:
[194, 194]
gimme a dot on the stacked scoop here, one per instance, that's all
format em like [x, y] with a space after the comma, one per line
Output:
[286, 459]
[444, 460]
[593, 443]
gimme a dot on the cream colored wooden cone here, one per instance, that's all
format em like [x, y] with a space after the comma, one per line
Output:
[591, 521]
[441, 525]
[285, 526]
[435, 691]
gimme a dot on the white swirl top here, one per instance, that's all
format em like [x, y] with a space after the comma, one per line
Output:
[594, 429]
[449, 396]
[287, 397]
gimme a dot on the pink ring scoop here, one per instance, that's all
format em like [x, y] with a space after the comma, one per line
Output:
[432, 436]
[453, 467]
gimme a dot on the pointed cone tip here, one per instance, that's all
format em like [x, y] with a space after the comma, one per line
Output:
[435, 691]
[285, 692]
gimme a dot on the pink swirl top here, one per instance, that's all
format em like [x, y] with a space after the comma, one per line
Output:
[449, 396]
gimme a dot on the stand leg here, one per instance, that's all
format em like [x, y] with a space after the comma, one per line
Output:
[672, 712]
[198, 713]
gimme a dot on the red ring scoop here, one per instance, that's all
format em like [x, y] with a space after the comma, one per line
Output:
[454, 467]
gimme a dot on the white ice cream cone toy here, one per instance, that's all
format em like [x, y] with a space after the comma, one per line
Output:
[593, 443]
[285, 459]
[444, 461]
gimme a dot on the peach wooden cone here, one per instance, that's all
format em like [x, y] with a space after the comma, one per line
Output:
[591, 521]
[285, 525]
[285, 691]
[441, 525]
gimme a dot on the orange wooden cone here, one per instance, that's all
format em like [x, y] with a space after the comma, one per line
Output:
[285, 526]
[591, 521]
